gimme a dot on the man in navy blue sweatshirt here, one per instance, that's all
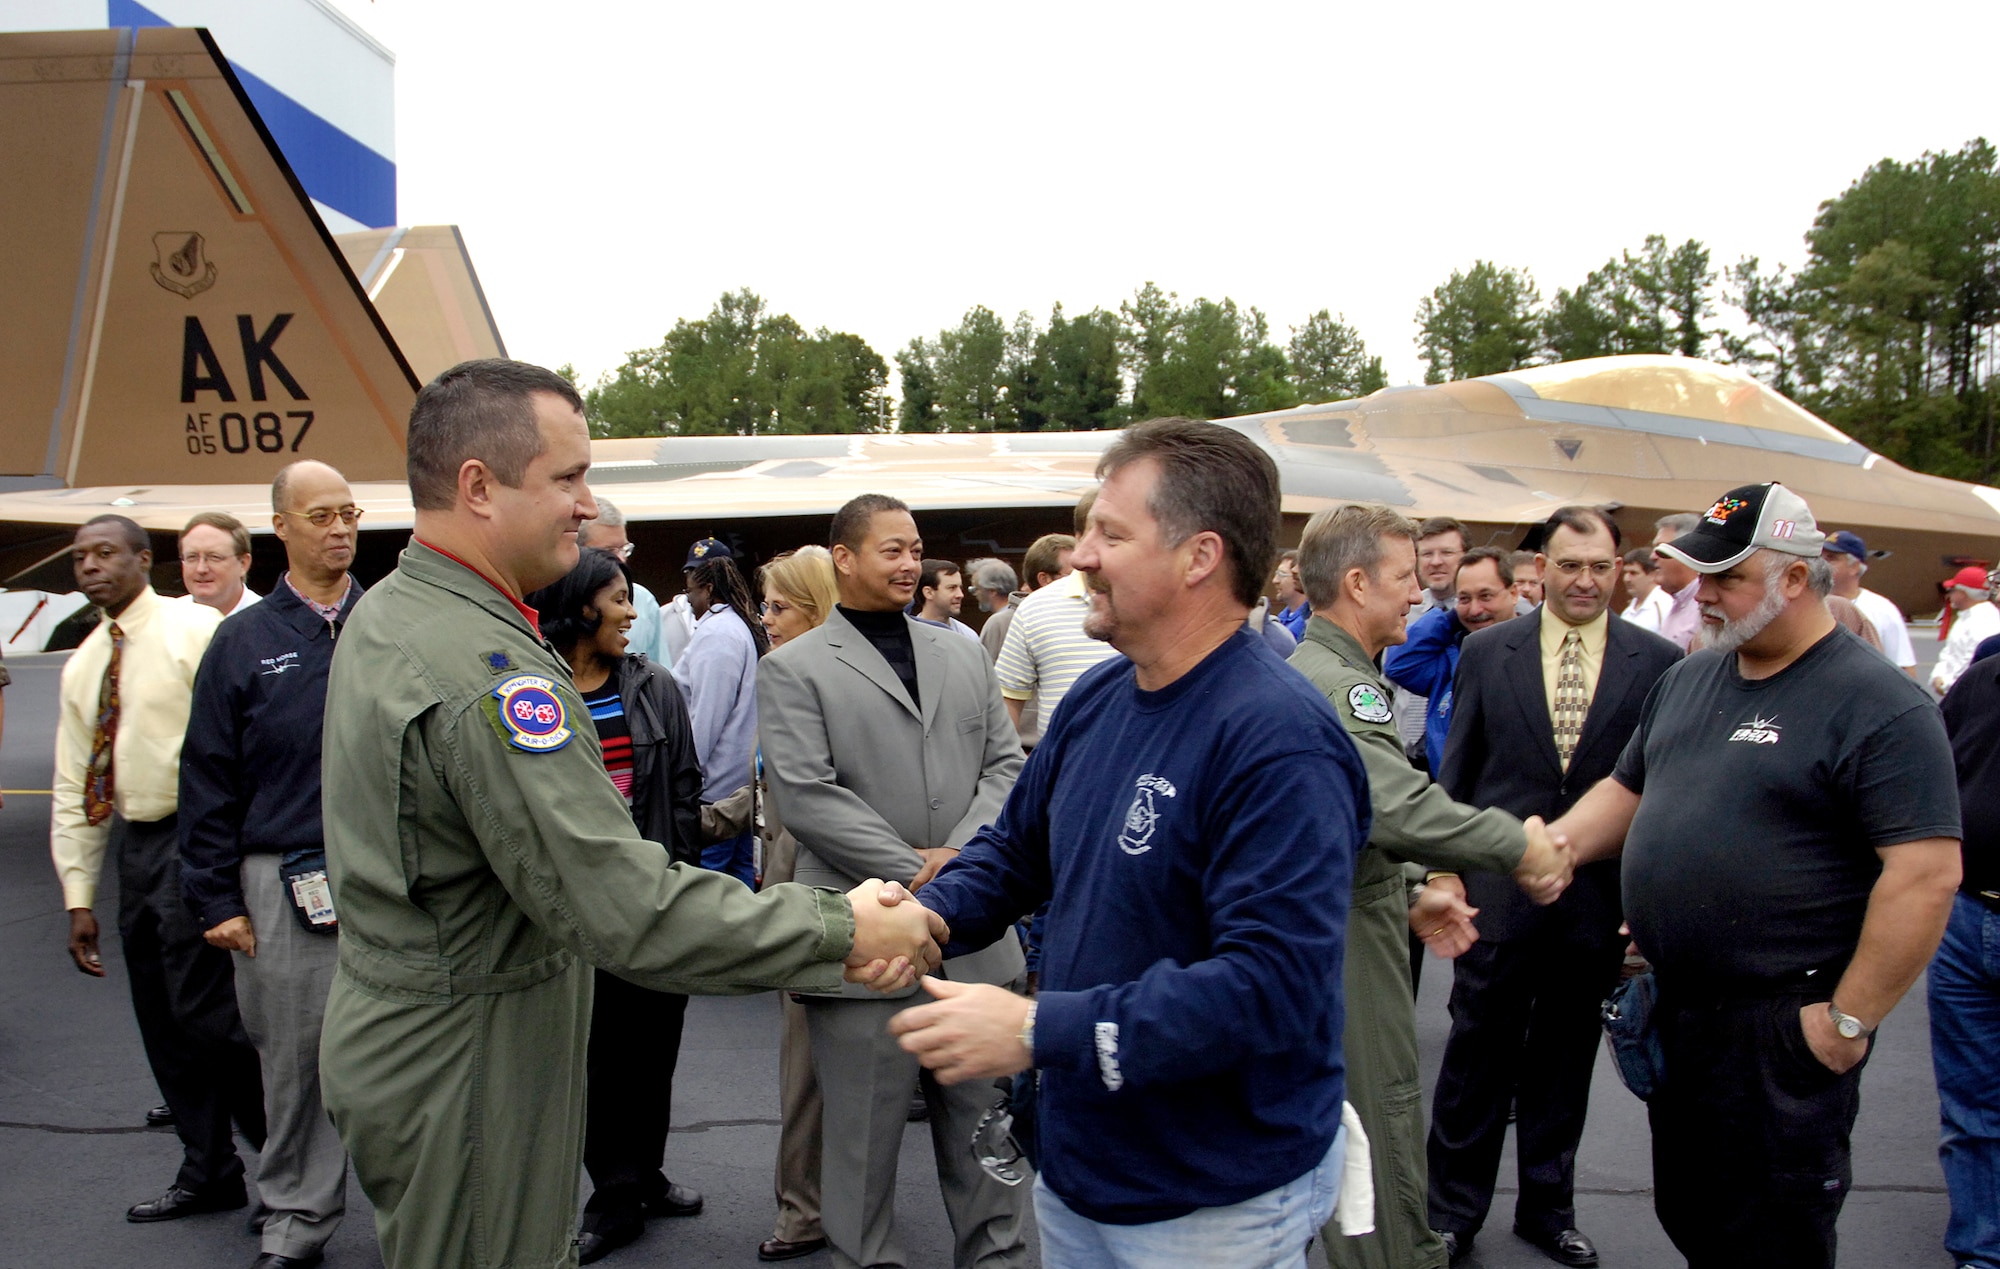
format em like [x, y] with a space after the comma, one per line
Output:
[253, 854]
[1187, 1031]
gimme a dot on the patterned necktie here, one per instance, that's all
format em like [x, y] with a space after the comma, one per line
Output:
[98, 785]
[1571, 704]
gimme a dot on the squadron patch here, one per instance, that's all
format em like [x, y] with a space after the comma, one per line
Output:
[533, 714]
[1368, 704]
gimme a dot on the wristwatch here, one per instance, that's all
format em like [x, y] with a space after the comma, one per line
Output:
[1027, 1035]
[1849, 1026]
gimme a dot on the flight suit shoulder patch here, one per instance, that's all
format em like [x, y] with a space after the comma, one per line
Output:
[531, 713]
[1367, 703]
[496, 663]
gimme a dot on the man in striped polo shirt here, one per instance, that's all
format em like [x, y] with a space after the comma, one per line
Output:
[1045, 649]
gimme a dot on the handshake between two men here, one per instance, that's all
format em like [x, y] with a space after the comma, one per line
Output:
[897, 940]
[1443, 919]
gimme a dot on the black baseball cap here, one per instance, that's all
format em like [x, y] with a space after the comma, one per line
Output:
[1744, 521]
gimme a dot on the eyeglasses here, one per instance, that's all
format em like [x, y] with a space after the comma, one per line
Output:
[993, 1145]
[320, 517]
[775, 607]
[195, 559]
[1600, 569]
[625, 552]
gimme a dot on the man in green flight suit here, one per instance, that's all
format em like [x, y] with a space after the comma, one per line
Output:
[481, 860]
[1359, 568]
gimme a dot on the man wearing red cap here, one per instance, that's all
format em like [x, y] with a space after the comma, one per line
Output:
[1973, 620]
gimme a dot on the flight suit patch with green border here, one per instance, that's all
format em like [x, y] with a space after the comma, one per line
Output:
[1368, 704]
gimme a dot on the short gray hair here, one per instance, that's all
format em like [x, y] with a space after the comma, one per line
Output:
[994, 575]
[1819, 573]
[1345, 538]
[1678, 523]
[608, 517]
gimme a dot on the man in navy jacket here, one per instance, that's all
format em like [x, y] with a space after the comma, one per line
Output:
[1187, 1032]
[253, 861]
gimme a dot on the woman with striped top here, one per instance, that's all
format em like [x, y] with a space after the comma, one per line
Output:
[635, 1035]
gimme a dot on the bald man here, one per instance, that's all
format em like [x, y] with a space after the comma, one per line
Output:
[253, 854]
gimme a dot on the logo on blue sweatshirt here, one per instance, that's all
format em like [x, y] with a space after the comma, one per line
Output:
[1144, 815]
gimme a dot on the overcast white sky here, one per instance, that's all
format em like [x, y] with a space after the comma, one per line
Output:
[881, 168]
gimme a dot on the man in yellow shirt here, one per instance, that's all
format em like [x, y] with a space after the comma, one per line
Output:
[124, 709]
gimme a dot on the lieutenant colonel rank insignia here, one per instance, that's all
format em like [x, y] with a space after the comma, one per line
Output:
[533, 714]
[1368, 704]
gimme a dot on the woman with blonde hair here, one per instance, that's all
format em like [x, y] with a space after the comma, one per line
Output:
[799, 592]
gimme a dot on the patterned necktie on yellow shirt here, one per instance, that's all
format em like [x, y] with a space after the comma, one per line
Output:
[1571, 703]
[98, 787]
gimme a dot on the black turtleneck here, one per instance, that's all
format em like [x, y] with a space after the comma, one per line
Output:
[890, 633]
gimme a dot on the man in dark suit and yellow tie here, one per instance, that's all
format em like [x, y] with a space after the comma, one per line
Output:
[1542, 707]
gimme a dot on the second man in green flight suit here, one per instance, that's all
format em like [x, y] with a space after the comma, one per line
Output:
[1359, 568]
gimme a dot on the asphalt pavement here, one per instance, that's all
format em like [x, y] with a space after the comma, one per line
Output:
[74, 1085]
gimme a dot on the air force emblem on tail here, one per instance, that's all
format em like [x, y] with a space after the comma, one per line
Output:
[533, 714]
[181, 265]
[1136, 838]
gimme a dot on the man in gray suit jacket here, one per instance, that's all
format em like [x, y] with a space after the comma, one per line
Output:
[887, 745]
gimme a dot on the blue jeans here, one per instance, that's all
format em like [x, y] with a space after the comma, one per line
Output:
[735, 857]
[1270, 1231]
[1965, 1035]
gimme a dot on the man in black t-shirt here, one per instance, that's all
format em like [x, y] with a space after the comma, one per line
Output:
[1789, 823]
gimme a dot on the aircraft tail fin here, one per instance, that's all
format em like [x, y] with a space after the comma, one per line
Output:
[181, 314]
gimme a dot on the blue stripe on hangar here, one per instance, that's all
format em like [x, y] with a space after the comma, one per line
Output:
[335, 168]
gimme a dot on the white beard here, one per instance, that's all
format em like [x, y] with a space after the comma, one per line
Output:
[1734, 634]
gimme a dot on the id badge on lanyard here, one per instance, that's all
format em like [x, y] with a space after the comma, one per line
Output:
[304, 873]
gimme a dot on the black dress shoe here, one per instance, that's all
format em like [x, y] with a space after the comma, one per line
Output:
[272, 1260]
[606, 1231]
[1565, 1246]
[1455, 1248]
[775, 1248]
[161, 1116]
[679, 1200]
[176, 1203]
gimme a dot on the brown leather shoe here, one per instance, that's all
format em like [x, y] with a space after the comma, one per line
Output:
[775, 1248]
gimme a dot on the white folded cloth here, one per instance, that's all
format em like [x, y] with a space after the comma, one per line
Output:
[1354, 1209]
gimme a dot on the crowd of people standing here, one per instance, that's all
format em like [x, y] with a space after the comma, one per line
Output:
[1054, 869]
